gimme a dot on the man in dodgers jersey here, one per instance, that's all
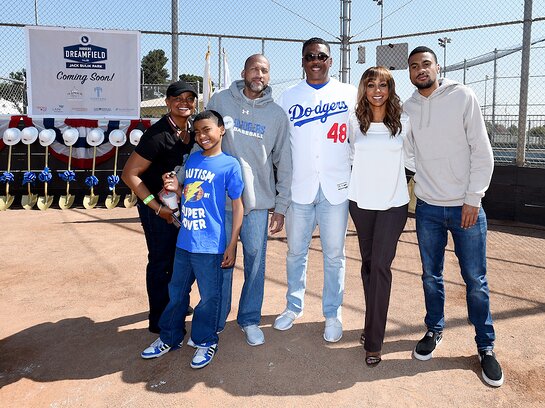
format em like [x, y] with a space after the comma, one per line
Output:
[317, 109]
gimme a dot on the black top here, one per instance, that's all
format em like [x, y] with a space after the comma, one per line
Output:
[160, 145]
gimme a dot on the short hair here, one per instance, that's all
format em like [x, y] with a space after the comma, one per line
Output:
[315, 40]
[422, 49]
[253, 57]
[210, 114]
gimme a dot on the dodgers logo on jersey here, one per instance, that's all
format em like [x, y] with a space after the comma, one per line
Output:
[300, 115]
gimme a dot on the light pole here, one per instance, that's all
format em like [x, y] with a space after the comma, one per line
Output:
[485, 89]
[381, 4]
[443, 43]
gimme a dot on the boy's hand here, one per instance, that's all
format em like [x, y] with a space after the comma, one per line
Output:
[229, 257]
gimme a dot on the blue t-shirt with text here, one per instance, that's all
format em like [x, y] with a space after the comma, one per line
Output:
[202, 207]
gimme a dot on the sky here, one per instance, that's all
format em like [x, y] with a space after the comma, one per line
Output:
[299, 21]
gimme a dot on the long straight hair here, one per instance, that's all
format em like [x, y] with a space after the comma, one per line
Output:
[364, 114]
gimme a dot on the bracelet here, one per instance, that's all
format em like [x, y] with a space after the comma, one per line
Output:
[159, 209]
[148, 199]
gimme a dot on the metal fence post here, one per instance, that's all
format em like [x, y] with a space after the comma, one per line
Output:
[524, 82]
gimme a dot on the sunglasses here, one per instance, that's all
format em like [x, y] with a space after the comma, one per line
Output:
[322, 56]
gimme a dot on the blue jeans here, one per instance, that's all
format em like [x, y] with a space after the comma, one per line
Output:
[253, 236]
[432, 224]
[188, 266]
[301, 220]
[161, 242]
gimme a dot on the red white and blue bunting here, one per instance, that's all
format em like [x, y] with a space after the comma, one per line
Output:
[82, 153]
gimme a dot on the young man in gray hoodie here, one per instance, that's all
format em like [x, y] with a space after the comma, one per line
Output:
[257, 134]
[454, 164]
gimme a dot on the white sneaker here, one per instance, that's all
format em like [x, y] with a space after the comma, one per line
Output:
[333, 330]
[190, 343]
[254, 335]
[285, 320]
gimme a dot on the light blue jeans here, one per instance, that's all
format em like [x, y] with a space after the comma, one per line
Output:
[432, 224]
[301, 220]
[253, 236]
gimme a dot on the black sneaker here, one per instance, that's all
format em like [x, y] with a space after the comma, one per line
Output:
[492, 373]
[424, 348]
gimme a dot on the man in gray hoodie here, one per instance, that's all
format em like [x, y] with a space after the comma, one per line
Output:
[454, 165]
[257, 134]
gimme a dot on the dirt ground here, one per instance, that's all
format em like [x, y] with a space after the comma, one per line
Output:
[73, 312]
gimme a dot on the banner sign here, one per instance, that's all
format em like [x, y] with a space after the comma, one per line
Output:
[80, 73]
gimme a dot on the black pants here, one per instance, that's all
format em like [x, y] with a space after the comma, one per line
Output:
[161, 242]
[378, 234]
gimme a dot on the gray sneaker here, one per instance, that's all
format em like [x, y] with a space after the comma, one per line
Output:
[333, 330]
[285, 320]
[254, 335]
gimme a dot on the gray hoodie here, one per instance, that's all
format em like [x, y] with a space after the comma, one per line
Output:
[452, 153]
[257, 134]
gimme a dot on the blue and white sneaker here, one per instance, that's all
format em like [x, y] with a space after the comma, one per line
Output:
[204, 355]
[157, 349]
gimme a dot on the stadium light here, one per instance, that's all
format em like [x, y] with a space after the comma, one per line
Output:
[443, 43]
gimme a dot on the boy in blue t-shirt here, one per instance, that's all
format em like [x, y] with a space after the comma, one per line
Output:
[202, 249]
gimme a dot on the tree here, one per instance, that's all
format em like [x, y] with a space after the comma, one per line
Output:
[194, 79]
[153, 67]
[513, 130]
[538, 131]
[154, 75]
[13, 90]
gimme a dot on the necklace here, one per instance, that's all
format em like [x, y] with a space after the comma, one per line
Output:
[181, 133]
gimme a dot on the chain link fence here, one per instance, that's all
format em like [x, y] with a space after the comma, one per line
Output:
[478, 42]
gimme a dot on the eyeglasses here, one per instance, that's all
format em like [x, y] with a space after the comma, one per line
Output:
[322, 56]
[189, 99]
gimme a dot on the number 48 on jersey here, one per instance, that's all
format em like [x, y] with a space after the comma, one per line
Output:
[337, 133]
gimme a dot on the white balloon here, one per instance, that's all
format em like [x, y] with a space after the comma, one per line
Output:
[46, 137]
[135, 136]
[12, 136]
[70, 136]
[29, 135]
[95, 137]
[117, 137]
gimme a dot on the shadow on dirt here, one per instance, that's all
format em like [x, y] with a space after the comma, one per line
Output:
[80, 348]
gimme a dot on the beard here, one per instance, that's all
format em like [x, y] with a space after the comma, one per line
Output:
[256, 86]
[425, 85]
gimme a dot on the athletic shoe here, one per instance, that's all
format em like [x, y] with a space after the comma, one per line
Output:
[190, 343]
[157, 349]
[492, 373]
[333, 330]
[285, 320]
[254, 335]
[425, 347]
[204, 355]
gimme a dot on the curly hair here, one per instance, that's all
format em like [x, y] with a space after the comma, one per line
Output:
[364, 114]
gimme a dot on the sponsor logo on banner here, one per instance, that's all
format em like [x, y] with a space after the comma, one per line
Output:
[75, 94]
[85, 55]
